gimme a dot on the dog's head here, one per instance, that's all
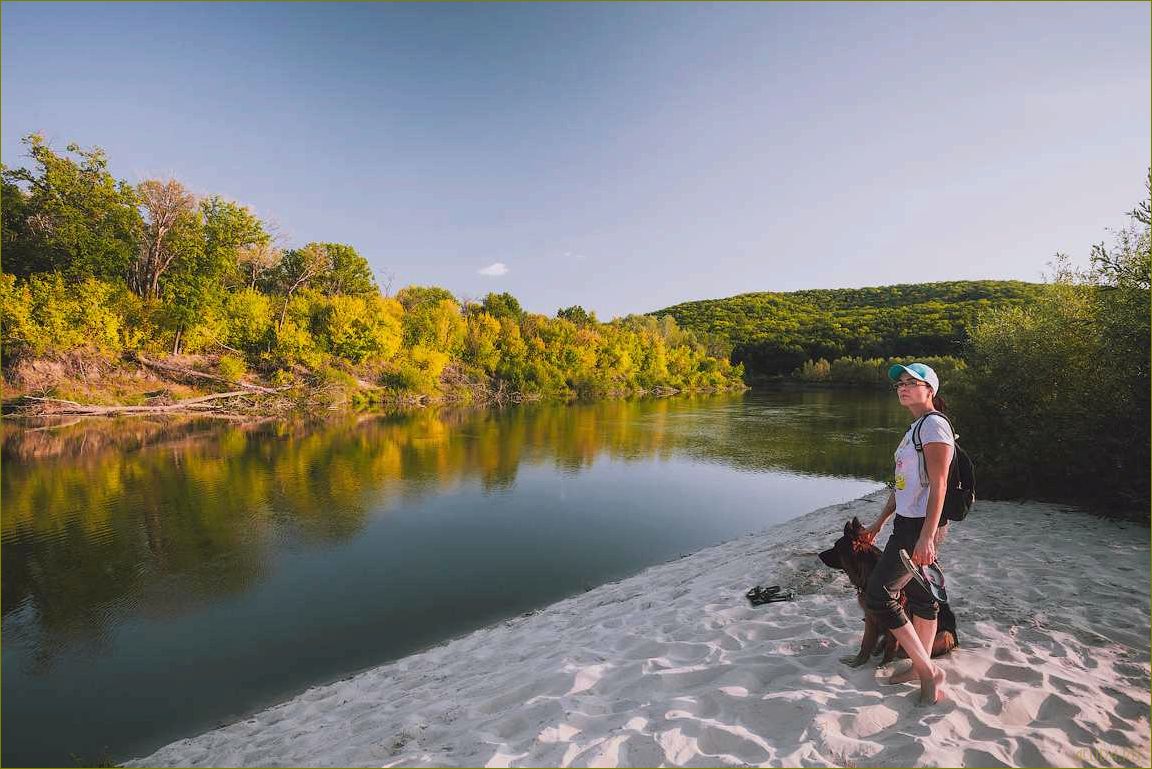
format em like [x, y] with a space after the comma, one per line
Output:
[853, 554]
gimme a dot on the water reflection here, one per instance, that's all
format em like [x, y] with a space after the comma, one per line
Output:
[110, 524]
[97, 515]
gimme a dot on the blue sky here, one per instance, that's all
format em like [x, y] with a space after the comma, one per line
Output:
[624, 157]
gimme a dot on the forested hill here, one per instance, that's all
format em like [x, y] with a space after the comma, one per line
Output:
[774, 333]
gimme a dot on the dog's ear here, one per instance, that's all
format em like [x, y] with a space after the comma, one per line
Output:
[831, 558]
[849, 529]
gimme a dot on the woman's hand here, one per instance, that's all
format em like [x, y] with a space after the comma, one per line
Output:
[925, 552]
[871, 531]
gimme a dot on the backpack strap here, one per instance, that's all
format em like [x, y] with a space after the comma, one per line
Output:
[919, 444]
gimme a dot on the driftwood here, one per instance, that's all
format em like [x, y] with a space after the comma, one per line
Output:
[203, 403]
[169, 369]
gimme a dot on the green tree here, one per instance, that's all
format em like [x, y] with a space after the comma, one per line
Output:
[347, 272]
[67, 215]
[578, 315]
[437, 326]
[236, 244]
[412, 297]
[503, 306]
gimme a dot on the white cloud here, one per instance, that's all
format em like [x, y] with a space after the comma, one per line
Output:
[494, 270]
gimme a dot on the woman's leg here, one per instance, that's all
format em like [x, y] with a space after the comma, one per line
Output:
[926, 632]
[888, 579]
[931, 677]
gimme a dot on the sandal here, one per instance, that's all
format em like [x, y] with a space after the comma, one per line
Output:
[760, 595]
[928, 577]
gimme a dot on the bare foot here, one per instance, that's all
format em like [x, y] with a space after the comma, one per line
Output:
[901, 676]
[932, 690]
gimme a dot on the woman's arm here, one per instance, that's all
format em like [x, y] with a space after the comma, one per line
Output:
[885, 514]
[937, 458]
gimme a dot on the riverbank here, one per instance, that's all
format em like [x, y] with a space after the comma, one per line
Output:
[79, 384]
[672, 666]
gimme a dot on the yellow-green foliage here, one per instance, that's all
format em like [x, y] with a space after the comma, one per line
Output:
[232, 368]
[47, 314]
[222, 286]
[357, 328]
[437, 324]
[250, 319]
[480, 342]
[408, 349]
[202, 334]
[292, 344]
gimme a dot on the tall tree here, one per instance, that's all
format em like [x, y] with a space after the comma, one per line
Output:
[69, 216]
[191, 286]
[231, 233]
[168, 208]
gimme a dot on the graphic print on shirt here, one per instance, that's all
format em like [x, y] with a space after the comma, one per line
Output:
[901, 478]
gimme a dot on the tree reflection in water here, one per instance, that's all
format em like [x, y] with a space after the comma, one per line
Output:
[114, 517]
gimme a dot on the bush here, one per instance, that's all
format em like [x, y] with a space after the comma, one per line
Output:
[250, 321]
[1055, 401]
[46, 314]
[232, 368]
[358, 328]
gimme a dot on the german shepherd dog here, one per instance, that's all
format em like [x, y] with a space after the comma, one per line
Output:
[856, 556]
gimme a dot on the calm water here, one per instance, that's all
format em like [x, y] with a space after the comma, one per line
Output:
[161, 578]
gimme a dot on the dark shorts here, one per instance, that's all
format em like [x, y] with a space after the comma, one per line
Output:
[890, 577]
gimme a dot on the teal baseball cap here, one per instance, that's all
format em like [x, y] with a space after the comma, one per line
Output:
[920, 371]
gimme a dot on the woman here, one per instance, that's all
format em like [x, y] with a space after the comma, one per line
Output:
[917, 501]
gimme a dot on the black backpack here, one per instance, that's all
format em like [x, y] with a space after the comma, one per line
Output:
[960, 492]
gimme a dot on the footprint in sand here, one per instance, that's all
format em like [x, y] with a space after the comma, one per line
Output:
[1016, 673]
[1126, 707]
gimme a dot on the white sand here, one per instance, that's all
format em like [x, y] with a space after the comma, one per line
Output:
[673, 667]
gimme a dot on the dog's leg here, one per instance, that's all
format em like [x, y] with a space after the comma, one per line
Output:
[891, 646]
[867, 643]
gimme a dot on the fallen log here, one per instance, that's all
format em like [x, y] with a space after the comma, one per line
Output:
[168, 368]
[203, 403]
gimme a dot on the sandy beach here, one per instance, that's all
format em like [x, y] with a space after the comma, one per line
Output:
[674, 667]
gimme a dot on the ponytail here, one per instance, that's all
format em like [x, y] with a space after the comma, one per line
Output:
[939, 404]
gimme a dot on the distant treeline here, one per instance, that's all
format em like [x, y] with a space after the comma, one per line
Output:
[872, 372]
[94, 263]
[774, 334]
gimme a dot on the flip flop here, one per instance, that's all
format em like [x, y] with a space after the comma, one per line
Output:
[759, 595]
[928, 577]
[766, 591]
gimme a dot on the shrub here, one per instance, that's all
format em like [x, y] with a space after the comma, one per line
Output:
[1055, 401]
[232, 368]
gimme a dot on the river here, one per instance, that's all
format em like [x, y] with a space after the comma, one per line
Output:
[163, 577]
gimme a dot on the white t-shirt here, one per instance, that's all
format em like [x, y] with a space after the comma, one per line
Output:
[911, 496]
